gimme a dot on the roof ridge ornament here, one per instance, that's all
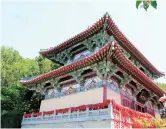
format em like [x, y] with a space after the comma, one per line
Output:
[106, 14]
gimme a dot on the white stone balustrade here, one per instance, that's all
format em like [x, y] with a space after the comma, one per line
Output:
[105, 114]
[99, 113]
[88, 113]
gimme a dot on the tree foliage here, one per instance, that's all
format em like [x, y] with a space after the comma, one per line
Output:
[162, 86]
[16, 98]
[45, 65]
[146, 3]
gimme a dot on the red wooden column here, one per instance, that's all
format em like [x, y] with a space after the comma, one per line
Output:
[104, 92]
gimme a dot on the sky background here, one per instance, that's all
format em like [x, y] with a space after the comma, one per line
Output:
[29, 26]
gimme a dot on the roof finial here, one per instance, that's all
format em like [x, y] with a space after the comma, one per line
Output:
[105, 20]
[106, 14]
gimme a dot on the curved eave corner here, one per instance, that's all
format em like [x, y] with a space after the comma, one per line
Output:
[71, 67]
[96, 26]
[126, 63]
[99, 56]
[116, 32]
[122, 38]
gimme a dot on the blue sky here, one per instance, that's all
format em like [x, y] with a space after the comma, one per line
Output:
[29, 26]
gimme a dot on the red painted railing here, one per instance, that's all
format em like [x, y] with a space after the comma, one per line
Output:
[121, 117]
[73, 109]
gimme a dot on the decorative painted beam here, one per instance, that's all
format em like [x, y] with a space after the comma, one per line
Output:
[79, 49]
[66, 81]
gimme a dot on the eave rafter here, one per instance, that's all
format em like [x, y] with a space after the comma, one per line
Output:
[115, 54]
[108, 25]
[72, 67]
[135, 72]
[130, 47]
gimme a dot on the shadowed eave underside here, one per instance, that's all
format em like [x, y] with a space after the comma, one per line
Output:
[116, 54]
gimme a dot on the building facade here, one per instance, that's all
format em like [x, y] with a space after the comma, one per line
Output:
[97, 64]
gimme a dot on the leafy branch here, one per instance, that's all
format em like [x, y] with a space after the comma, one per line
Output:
[146, 3]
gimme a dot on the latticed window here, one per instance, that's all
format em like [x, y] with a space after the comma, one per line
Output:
[127, 102]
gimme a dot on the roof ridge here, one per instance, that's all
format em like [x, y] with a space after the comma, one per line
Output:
[98, 23]
[121, 37]
[89, 60]
[142, 74]
[105, 21]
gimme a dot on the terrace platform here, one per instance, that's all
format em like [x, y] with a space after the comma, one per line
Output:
[89, 118]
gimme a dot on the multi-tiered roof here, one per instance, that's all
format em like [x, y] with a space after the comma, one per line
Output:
[120, 48]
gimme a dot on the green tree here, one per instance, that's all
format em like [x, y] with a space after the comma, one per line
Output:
[162, 86]
[46, 65]
[9, 57]
[146, 3]
[16, 98]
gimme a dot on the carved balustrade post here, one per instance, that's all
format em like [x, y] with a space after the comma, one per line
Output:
[87, 111]
[69, 113]
[78, 114]
[54, 114]
[61, 116]
[42, 115]
[110, 107]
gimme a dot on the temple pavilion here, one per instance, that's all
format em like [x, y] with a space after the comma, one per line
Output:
[98, 64]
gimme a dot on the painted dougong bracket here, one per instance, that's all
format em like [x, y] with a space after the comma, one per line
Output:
[105, 69]
[126, 80]
[78, 77]
[138, 89]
